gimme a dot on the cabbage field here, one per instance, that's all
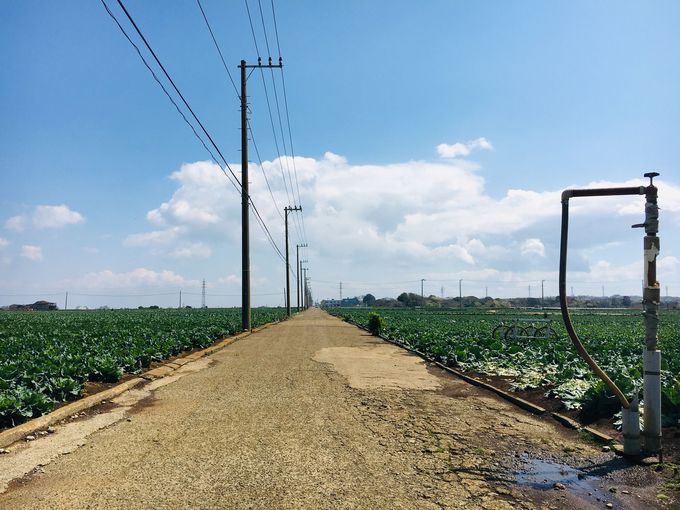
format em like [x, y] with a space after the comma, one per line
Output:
[46, 357]
[534, 350]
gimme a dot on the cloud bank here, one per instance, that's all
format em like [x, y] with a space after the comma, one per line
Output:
[418, 217]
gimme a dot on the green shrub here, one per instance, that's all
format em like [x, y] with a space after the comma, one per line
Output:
[375, 323]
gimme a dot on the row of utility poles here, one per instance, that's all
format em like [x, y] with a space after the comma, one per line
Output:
[486, 290]
[245, 209]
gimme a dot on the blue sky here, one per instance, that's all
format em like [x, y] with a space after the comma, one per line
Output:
[561, 94]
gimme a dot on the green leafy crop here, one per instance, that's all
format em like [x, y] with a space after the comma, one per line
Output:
[46, 357]
[538, 356]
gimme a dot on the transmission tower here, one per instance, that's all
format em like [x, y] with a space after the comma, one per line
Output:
[203, 295]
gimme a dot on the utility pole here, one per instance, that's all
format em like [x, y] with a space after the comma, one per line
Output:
[298, 286]
[442, 292]
[66, 301]
[460, 292]
[180, 299]
[422, 295]
[542, 294]
[245, 196]
[603, 291]
[486, 291]
[305, 294]
[287, 210]
[203, 295]
[529, 291]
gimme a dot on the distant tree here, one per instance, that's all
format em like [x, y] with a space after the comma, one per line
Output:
[369, 300]
[385, 302]
[403, 298]
[625, 301]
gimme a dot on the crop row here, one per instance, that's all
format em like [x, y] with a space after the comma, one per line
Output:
[47, 357]
[535, 356]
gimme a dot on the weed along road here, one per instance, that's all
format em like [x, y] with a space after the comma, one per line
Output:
[313, 413]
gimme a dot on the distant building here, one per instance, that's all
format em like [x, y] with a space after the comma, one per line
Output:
[43, 306]
[38, 306]
[333, 303]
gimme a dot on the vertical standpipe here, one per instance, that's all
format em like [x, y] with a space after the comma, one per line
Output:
[651, 297]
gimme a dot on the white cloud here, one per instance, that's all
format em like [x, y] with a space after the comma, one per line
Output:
[140, 277]
[195, 202]
[45, 216]
[55, 216]
[16, 223]
[31, 252]
[155, 237]
[3, 242]
[198, 250]
[532, 247]
[463, 149]
[232, 279]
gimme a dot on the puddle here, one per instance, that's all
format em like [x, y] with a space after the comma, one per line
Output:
[546, 475]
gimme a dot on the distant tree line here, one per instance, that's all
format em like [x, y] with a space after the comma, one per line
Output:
[410, 299]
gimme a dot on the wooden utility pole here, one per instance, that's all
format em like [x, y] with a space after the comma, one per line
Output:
[298, 287]
[287, 210]
[245, 196]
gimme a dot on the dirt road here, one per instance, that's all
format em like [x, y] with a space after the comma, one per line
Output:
[313, 413]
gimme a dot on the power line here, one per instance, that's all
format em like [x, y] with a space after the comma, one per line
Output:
[271, 116]
[226, 68]
[276, 28]
[259, 159]
[155, 77]
[217, 47]
[285, 100]
[167, 75]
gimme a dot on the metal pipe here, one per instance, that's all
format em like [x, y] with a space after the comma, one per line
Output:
[566, 195]
[651, 297]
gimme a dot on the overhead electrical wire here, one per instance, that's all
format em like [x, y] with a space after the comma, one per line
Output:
[238, 95]
[285, 102]
[167, 75]
[217, 47]
[278, 112]
[155, 77]
[259, 159]
[271, 120]
[258, 217]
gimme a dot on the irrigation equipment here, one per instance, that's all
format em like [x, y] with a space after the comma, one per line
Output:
[525, 328]
[651, 297]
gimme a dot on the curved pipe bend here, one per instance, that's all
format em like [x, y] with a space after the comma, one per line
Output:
[566, 195]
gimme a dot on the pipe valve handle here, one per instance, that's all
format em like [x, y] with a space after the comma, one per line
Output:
[651, 176]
